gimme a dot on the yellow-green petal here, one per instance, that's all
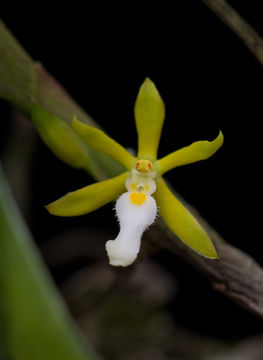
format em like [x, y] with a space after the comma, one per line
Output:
[199, 150]
[182, 222]
[99, 141]
[89, 198]
[149, 115]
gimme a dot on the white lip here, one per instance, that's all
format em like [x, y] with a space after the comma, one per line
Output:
[117, 263]
[134, 220]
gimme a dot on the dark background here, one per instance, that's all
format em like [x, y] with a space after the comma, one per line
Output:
[208, 80]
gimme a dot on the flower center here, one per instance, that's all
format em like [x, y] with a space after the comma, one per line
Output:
[140, 184]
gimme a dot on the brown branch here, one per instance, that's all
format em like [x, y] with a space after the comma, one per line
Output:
[240, 27]
[235, 274]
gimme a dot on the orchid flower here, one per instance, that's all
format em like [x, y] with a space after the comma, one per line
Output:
[141, 190]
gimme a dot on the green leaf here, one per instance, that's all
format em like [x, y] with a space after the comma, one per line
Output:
[35, 323]
[99, 141]
[149, 115]
[182, 222]
[89, 198]
[199, 150]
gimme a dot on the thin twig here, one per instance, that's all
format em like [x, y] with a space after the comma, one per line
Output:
[240, 27]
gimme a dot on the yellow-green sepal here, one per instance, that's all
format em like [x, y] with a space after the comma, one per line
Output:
[149, 115]
[199, 150]
[99, 141]
[182, 222]
[89, 198]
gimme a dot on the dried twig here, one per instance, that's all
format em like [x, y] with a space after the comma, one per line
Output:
[240, 27]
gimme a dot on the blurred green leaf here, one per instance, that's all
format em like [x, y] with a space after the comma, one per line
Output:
[35, 324]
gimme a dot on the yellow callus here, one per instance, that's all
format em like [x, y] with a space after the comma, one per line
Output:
[137, 198]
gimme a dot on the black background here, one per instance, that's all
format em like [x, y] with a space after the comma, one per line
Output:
[208, 80]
